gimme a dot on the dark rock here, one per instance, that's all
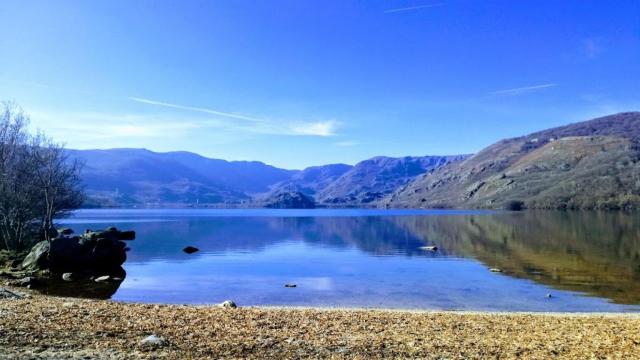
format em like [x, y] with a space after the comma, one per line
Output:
[28, 282]
[429, 248]
[190, 249]
[290, 285]
[37, 258]
[65, 232]
[94, 252]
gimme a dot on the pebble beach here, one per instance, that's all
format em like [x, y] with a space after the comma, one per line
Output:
[44, 327]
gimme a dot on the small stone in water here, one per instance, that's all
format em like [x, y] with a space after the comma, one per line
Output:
[290, 285]
[495, 270]
[429, 248]
[67, 277]
[102, 278]
[190, 249]
[548, 296]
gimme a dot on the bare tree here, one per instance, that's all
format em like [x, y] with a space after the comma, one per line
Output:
[37, 181]
[58, 180]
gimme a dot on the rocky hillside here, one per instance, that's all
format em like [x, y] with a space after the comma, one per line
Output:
[589, 165]
[312, 179]
[373, 179]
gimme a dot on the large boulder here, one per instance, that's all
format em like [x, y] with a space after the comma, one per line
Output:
[93, 252]
[38, 258]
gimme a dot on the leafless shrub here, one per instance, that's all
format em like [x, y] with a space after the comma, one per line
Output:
[38, 182]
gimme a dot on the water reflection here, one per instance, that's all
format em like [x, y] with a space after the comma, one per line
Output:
[593, 253]
[596, 253]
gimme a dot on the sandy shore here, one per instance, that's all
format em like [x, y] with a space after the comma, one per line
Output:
[63, 328]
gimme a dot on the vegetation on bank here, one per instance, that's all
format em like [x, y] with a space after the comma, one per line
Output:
[38, 182]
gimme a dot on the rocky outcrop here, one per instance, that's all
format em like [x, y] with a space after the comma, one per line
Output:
[94, 252]
[288, 200]
[371, 180]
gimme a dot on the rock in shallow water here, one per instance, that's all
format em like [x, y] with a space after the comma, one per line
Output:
[92, 252]
[190, 249]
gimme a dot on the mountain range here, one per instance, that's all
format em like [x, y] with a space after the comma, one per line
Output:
[139, 177]
[588, 165]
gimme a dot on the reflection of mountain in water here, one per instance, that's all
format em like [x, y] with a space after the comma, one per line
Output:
[595, 253]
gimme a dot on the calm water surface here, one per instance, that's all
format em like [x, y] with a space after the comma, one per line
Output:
[372, 258]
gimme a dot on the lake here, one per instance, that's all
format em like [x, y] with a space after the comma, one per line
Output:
[586, 261]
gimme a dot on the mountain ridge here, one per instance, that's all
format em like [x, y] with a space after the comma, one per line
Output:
[593, 164]
[141, 177]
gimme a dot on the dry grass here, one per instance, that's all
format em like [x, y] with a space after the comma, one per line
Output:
[46, 327]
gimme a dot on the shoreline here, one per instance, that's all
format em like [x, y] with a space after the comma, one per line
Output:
[43, 327]
[632, 314]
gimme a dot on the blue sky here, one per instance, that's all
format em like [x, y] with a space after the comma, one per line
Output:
[299, 83]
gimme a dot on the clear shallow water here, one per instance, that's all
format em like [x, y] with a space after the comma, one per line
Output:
[372, 258]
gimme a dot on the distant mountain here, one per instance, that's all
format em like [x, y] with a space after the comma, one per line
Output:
[127, 177]
[312, 179]
[138, 176]
[371, 180]
[588, 165]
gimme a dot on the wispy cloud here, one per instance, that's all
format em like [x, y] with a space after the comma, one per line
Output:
[411, 8]
[112, 126]
[524, 89]
[320, 128]
[257, 125]
[197, 109]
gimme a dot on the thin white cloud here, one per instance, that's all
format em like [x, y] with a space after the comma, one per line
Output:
[198, 109]
[320, 128]
[112, 126]
[521, 90]
[261, 126]
[410, 8]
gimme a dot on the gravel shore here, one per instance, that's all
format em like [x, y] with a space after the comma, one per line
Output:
[43, 327]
